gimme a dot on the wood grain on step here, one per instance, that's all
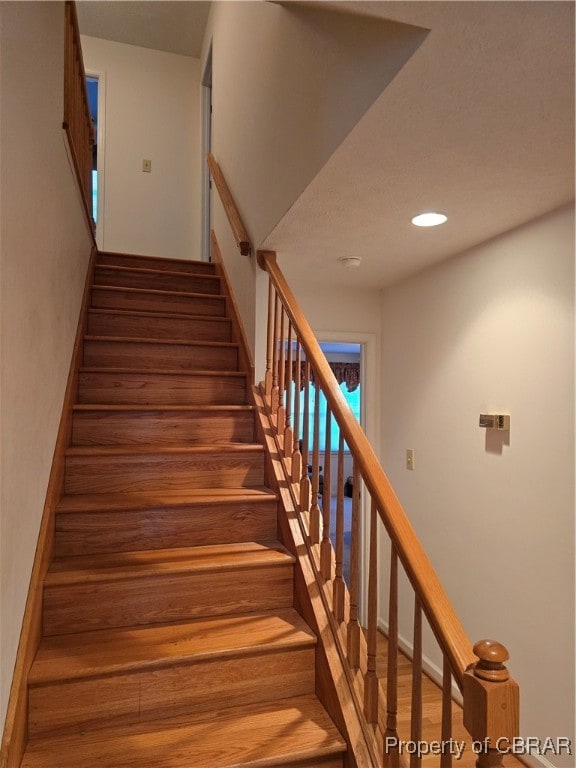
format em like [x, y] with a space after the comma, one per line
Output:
[135, 277]
[136, 588]
[150, 468]
[142, 354]
[283, 734]
[110, 258]
[69, 657]
[158, 301]
[123, 522]
[129, 675]
[122, 385]
[187, 425]
[157, 325]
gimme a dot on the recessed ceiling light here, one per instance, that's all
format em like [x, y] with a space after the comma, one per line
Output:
[429, 219]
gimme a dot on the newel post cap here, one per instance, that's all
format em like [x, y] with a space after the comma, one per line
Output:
[490, 666]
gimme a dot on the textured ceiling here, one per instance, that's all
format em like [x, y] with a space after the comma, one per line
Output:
[175, 27]
[479, 124]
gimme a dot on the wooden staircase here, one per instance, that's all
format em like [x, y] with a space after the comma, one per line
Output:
[170, 637]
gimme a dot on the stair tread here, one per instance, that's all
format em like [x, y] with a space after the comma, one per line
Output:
[150, 270]
[153, 314]
[165, 371]
[279, 733]
[109, 651]
[145, 258]
[149, 499]
[156, 449]
[103, 407]
[158, 291]
[162, 371]
[119, 565]
[177, 342]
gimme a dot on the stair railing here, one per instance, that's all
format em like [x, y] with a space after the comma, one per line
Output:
[490, 697]
[77, 119]
[295, 362]
[234, 218]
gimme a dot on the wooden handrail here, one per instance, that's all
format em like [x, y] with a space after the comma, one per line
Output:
[490, 697]
[444, 622]
[238, 228]
[77, 120]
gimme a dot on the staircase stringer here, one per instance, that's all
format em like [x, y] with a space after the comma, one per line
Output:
[232, 310]
[15, 733]
[335, 686]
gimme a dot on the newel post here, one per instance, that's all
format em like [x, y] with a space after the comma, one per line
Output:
[490, 704]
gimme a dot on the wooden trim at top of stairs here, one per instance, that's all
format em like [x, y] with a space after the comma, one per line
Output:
[16, 725]
[238, 332]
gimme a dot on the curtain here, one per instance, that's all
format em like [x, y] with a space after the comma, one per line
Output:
[347, 373]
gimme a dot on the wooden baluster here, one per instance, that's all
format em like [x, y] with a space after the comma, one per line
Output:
[353, 634]
[416, 714]
[326, 546]
[296, 454]
[490, 702]
[269, 344]
[305, 486]
[281, 413]
[339, 587]
[288, 431]
[392, 756]
[275, 356]
[370, 678]
[314, 532]
[446, 734]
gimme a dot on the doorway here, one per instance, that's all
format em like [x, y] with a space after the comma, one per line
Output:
[363, 349]
[95, 88]
[206, 148]
[345, 360]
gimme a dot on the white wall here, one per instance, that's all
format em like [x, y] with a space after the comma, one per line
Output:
[44, 250]
[152, 112]
[492, 331]
[288, 83]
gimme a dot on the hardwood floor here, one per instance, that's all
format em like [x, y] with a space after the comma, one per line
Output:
[431, 713]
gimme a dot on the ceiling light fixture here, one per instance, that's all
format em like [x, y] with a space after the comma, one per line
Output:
[430, 219]
[350, 262]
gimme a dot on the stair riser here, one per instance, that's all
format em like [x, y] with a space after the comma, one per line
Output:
[109, 298]
[164, 597]
[164, 692]
[145, 327]
[147, 262]
[157, 281]
[163, 472]
[149, 388]
[161, 427]
[86, 533]
[150, 356]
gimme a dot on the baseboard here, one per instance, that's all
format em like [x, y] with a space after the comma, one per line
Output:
[16, 725]
[430, 669]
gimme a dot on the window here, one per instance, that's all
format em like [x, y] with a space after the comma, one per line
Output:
[353, 399]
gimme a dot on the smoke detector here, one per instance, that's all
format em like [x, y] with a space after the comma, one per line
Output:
[350, 262]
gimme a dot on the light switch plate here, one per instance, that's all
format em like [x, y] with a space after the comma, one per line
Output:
[410, 458]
